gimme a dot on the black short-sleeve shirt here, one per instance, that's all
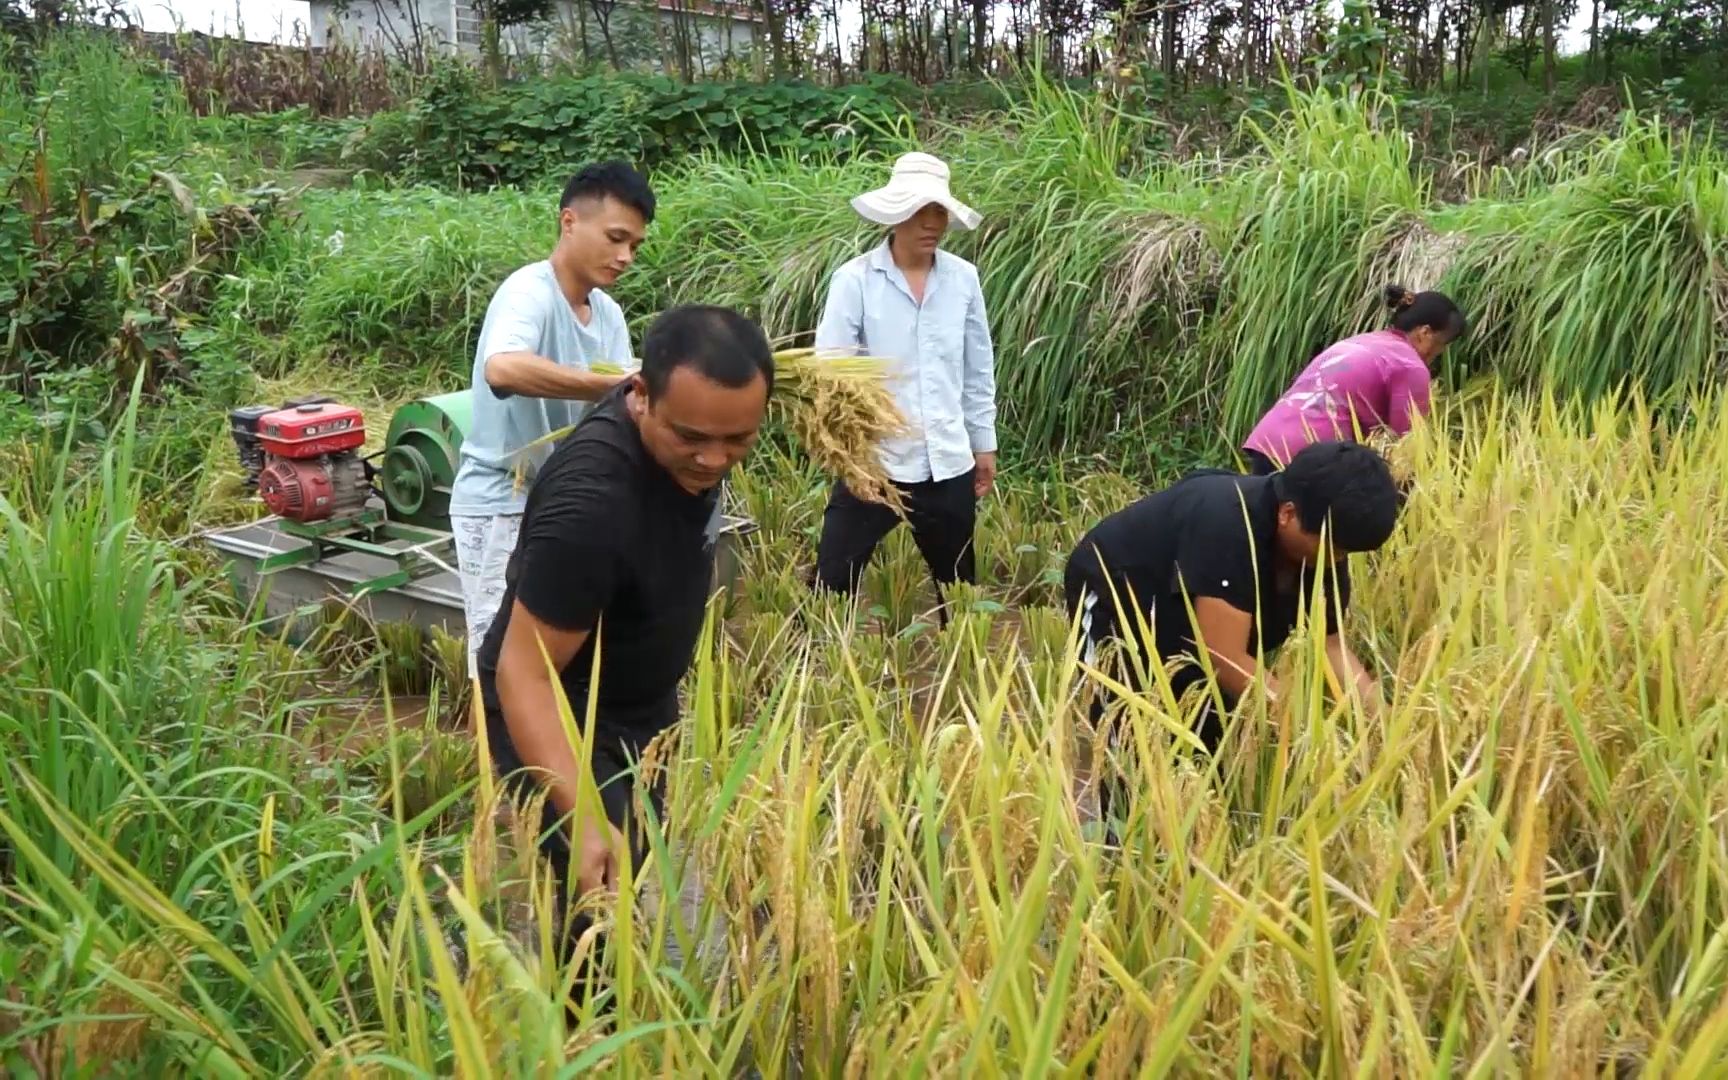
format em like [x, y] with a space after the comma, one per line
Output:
[610, 544]
[1211, 534]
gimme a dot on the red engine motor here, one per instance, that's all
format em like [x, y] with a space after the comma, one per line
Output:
[312, 471]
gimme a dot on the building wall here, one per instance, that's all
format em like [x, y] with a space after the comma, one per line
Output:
[384, 23]
[638, 29]
[466, 21]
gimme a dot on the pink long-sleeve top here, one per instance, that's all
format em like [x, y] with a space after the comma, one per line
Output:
[1379, 378]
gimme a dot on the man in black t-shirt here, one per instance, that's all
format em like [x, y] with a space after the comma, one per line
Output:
[613, 557]
[1245, 552]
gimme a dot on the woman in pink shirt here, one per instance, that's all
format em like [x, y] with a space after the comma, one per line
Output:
[1367, 382]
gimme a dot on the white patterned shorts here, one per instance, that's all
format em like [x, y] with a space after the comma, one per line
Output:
[483, 547]
[1088, 647]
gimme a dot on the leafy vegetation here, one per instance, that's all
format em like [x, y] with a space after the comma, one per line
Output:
[461, 131]
[119, 220]
[1128, 291]
[1131, 278]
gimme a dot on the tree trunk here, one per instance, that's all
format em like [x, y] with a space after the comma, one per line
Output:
[1168, 45]
[1595, 22]
[1486, 42]
[980, 33]
[903, 28]
[1608, 50]
[1250, 41]
[1548, 47]
[1461, 61]
[773, 26]
[492, 50]
[839, 40]
[1413, 62]
[603, 16]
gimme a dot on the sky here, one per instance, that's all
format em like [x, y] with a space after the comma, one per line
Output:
[276, 20]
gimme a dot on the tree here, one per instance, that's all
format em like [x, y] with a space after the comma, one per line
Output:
[496, 15]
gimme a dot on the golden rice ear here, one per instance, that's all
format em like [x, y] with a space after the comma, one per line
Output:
[841, 410]
[1399, 455]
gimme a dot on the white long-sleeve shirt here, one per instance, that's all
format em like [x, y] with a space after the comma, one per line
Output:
[944, 376]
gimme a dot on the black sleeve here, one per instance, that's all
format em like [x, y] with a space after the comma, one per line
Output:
[1337, 583]
[574, 539]
[1214, 557]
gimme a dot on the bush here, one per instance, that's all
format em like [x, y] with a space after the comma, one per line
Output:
[116, 225]
[460, 131]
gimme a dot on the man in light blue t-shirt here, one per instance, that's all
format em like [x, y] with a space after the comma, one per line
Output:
[547, 324]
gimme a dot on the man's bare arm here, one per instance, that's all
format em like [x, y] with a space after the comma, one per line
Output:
[1352, 675]
[530, 703]
[527, 695]
[1224, 629]
[535, 376]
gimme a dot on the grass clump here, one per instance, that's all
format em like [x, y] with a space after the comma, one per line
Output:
[1609, 274]
[1333, 179]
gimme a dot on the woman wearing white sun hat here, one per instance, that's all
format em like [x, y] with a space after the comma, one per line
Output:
[911, 302]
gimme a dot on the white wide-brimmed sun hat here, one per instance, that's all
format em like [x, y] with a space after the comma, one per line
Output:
[917, 181]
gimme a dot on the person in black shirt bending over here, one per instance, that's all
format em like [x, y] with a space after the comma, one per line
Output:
[1242, 550]
[614, 556]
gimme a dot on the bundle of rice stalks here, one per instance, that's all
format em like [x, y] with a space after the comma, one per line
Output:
[1399, 456]
[838, 407]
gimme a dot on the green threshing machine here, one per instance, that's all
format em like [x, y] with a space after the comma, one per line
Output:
[371, 529]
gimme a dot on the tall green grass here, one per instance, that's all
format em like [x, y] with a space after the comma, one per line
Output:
[1611, 273]
[102, 673]
[392, 283]
[161, 817]
[1333, 181]
[95, 108]
[1127, 289]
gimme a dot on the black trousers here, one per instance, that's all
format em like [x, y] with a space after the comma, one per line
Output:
[1258, 464]
[1090, 598]
[614, 777]
[942, 514]
[612, 761]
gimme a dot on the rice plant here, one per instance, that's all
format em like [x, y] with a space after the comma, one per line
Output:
[880, 850]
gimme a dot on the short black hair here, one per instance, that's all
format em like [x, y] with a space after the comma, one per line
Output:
[1434, 310]
[1346, 485]
[615, 178]
[723, 345]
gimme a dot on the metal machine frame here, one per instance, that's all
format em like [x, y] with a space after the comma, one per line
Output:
[370, 533]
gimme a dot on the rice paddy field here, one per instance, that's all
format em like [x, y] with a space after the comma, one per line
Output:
[882, 833]
[227, 853]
